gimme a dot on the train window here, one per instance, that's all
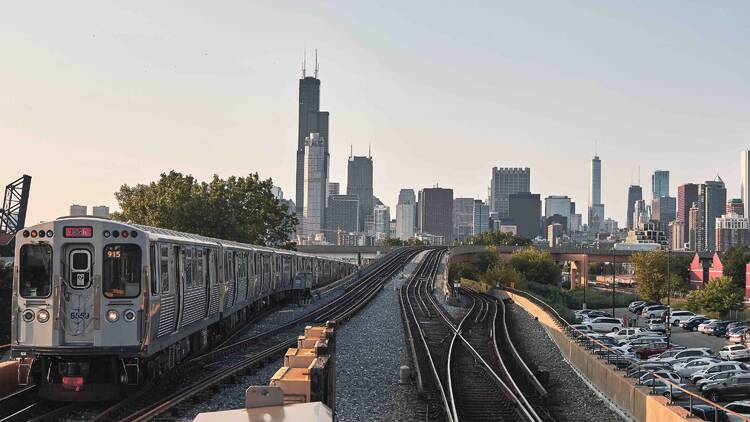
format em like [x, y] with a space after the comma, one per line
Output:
[121, 276]
[36, 271]
[187, 265]
[198, 267]
[164, 268]
[152, 269]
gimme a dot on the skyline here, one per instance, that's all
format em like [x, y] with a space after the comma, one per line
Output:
[143, 92]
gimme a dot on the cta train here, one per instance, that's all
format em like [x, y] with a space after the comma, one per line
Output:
[100, 306]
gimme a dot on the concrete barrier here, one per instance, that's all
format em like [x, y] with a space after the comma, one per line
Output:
[8, 376]
[632, 399]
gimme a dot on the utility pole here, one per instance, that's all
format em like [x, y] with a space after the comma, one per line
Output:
[614, 271]
[669, 291]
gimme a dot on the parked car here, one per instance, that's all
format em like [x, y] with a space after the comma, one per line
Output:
[625, 333]
[734, 352]
[662, 388]
[702, 327]
[633, 369]
[657, 325]
[651, 349]
[719, 329]
[676, 317]
[634, 304]
[733, 388]
[716, 368]
[735, 324]
[673, 355]
[670, 376]
[593, 315]
[689, 368]
[717, 377]
[654, 311]
[705, 412]
[742, 407]
[639, 308]
[693, 323]
[578, 329]
[738, 336]
[604, 324]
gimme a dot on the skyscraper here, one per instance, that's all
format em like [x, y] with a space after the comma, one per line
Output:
[359, 182]
[481, 218]
[635, 193]
[736, 206]
[659, 184]
[382, 218]
[406, 214]
[506, 181]
[687, 194]
[664, 211]
[712, 202]
[526, 213]
[463, 218]
[315, 182]
[310, 120]
[436, 212]
[342, 214]
[334, 188]
[596, 208]
[745, 180]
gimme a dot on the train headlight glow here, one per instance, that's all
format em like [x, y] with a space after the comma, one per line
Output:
[129, 315]
[42, 316]
[33, 233]
[28, 315]
[112, 315]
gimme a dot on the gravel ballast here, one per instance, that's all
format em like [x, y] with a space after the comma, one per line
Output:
[571, 399]
[369, 351]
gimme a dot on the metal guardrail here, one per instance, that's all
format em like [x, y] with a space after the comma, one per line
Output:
[581, 336]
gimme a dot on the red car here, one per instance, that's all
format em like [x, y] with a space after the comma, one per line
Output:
[650, 349]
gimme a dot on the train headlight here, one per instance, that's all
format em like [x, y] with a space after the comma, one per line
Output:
[112, 315]
[50, 233]
[107, 233]
[42, 316]
[129, 315]
[28, 315]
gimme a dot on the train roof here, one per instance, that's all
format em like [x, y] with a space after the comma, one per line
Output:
[168, 234]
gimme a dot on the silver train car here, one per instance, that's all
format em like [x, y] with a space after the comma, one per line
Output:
[101, 307]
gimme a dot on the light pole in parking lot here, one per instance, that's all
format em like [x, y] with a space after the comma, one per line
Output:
[614, 271]
[669, 291]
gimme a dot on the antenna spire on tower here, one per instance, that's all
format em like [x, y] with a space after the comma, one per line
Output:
[351, 150]
[316, 63]
[369, 151]
[304, 63]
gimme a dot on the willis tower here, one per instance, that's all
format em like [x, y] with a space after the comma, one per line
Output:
[311, 120]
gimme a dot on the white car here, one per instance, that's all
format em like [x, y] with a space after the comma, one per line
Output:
[676, 317]
[662, 388]
[734, 352]
[742, 407]
[717, 377]
[657, 325]
[689, 368]
[670, 376]
[673, 356]
[716, 368]
[702, 326]
[625, 333]
[654, 311]
[604, 324]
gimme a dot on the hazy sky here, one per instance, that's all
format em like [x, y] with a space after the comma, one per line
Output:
[97, 94]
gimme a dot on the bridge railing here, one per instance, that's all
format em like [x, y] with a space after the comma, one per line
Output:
[620, 362]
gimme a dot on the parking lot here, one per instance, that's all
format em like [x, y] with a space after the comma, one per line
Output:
[680, 336]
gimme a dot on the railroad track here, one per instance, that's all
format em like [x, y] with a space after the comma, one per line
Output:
[224, 364]
[461, 371]
[23, 405]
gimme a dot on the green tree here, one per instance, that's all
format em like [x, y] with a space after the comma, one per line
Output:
[393, 241]
[719, 295]
[536, 266]
[502, 274]
[242, 209]
[734, 261]
[651, 275]
[497, 238]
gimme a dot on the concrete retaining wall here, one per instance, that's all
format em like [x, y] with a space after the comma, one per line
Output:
[633, 400]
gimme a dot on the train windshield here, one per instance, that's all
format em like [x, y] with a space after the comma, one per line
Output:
[36, 271]
[121, 276]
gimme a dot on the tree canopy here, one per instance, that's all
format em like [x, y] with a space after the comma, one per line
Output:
[241, 209]
[734, 261]
[394, 241]
[536, 266]
[498, 238]
[651, 275]
[719, 295]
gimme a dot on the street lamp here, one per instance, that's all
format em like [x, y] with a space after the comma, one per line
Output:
[614, 271]
[669, 291]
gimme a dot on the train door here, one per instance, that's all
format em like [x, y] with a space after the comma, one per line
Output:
[205, 265]
[251, 276]
[80, 302]
[153, 303]
[179, 255]
[167, 301]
